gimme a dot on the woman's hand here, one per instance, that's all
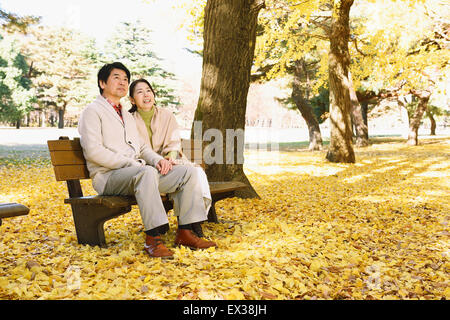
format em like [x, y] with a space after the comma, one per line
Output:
[165, 165]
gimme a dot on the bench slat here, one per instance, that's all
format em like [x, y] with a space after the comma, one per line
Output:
[108, 201]
[8, 210]
[71, 172]
[193, 150]
[228, 186]
[191, 144]
[68, 157]
[63, 145]
[121, 201]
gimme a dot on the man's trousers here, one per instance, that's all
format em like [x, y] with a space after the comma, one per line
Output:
[146, 183]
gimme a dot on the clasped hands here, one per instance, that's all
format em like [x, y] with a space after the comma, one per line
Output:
[165, 165]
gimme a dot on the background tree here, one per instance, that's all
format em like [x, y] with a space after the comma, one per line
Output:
[296, 20]
[288, 47]
[12, 22]
[63, 63]
[378, 35]
[432, 112]
[130, 44]
[298, 34]
[390, 60]
[16, 93]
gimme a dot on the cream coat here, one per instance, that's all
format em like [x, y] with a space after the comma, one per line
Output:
[109, 144]
[165, 131]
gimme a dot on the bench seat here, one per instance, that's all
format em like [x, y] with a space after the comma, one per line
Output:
[8, 210]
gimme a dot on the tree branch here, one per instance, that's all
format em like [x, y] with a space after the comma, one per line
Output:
[257, 5]
[321, 25]
[355, 41]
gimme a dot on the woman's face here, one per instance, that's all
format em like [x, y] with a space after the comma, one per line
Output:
[143, 97]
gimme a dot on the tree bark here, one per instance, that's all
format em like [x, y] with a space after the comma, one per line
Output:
[303, 105]
[414, 120]
[341, 149]
[362, 139]
[228, 51]
[42, 118]
[61, 112]
[364, 110]
[433, 123]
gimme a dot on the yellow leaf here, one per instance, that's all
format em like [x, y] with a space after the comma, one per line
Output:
[268, 295]
[447, 293]
[315, 266]
[359, 283]
[235, 294]
[301, 288]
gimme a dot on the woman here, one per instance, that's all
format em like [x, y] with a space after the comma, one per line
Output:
[159, 129]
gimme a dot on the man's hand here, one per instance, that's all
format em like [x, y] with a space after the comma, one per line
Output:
[164, 166]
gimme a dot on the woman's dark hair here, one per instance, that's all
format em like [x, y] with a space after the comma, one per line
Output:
[132, 86]
[105, 71]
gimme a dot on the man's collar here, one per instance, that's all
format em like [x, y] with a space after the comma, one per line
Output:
[112, 103]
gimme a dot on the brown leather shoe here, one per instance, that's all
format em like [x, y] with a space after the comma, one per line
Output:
[187, 238]
[155, 248]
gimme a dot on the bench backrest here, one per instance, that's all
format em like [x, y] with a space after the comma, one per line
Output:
[67, 159]
[69, 163]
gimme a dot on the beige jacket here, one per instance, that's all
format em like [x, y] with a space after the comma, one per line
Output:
[108, 143]
[165, 131]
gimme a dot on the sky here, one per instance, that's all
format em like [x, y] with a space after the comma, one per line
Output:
[98, 19]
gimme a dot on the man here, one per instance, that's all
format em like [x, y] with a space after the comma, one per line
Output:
[120, 163]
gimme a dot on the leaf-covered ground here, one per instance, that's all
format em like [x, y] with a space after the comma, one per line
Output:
[377, 229]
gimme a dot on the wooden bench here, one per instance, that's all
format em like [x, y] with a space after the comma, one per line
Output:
[91, 212]
[8, 210]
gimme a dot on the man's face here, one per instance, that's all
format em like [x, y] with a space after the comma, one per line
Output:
[116, 85]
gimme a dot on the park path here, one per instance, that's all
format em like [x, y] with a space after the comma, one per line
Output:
[39, 136]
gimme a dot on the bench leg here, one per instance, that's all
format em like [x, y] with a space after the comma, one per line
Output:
[89, 221]
[212, 216]
[168, 205]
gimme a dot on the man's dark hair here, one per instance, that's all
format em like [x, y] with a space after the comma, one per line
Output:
[105, 71]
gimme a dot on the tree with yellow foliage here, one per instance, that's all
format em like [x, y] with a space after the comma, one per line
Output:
[403, 52]
[380, 56]
[289, 47]
[341, 145]
[331, 22]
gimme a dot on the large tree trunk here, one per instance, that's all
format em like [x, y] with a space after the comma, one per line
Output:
[341, 149]
[303, 105]
[228, 51]
[414, 120]
[362, 139]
